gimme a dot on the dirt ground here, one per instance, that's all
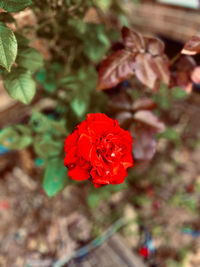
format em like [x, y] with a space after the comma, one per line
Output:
[36, 230]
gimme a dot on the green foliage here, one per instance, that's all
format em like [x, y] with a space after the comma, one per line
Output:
[104, 4]
[22, 41]
[178, 93]
[79, 106]
[45, 147]
[182, 200]
[79, 88]
[54, 177]
[96, 42]
[30, 59]
[14, 5]
[48, 79]
[165, 96]
[20, 85]
[42, 124]
[49, 135]
[15, 137]
[170, 134]
[8, 47]
[162, 97]
[173, 263]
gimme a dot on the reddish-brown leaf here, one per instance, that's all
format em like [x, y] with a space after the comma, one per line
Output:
[120, 100]
[149, 119]
[124, 118]
[182, 78]
[149, 69]
[144, 69]
[192, 47]
[185, 63]
[154, 46]
[144, 147]
[162, 69]
[144, 103]
[115, 68]
[185, 73]
[133, 40]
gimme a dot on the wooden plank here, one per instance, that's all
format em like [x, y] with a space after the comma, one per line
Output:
[113, 253]
[177, 24]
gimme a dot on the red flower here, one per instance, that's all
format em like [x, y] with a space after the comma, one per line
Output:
[98, 149]
[144, 252]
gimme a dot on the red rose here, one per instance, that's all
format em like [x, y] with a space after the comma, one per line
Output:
[98, 149]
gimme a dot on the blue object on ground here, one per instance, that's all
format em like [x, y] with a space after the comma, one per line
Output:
[3, 150]
[193, 233]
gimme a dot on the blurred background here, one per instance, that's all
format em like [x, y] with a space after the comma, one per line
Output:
[153, 218]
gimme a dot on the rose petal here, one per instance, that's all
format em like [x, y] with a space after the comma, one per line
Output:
[71, 140]
[79, 173]
[85, 146]
[71, 156]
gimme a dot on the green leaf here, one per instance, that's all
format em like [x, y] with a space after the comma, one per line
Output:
[79, 106]
[22, 129]
[77, 26]
[96, 42]
[20, 85]
[46, 147]
[124, 20]
[22, 41]
[50, 86]
[8, 47]
[14, 5]
[104, 4]
[42, 124]
[55, 177]
[41, 75]
[47, 77]
[59, 127]
[30, 59]
[15, 137]
[81, 83]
